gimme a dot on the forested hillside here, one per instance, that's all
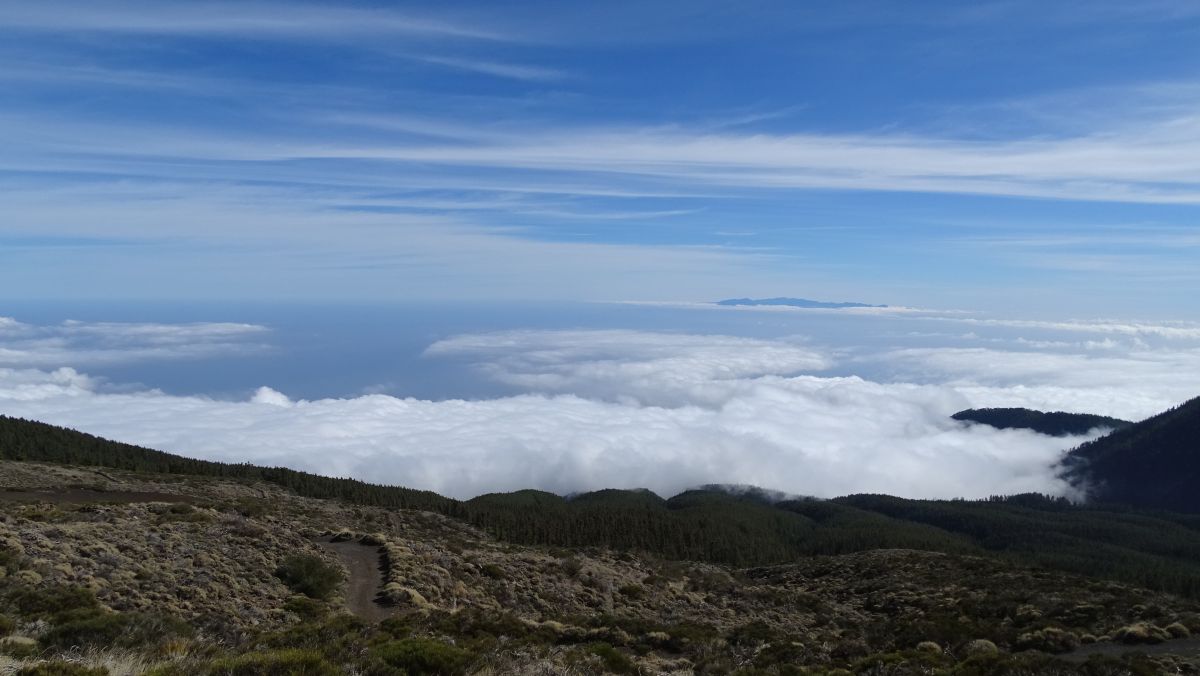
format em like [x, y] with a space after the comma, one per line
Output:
[1056, 424]
[1154, 464]
[1154, 549]
[30, 440]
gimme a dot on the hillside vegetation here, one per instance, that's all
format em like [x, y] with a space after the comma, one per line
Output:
[1157, 550]
[232, 577]
[121, 560]
[1055, 424]
[1155, 463]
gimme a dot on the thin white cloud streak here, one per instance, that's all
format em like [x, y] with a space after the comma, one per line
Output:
[259, 20]
[1159, 164]
[1155, 162]
[497, 68]
[346, 252]
[105, 343]
[634, 409]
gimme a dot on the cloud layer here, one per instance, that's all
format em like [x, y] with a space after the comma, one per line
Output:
[616, 409]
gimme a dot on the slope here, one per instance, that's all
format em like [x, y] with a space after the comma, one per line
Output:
[1153, 464]
[1055, 424]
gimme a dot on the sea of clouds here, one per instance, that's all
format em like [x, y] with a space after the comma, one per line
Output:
[622, 408]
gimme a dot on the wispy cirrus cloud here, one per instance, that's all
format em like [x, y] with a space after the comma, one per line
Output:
[589, 127]
[497, 68]
[1154, 162]
[80, 343]
[253, 19]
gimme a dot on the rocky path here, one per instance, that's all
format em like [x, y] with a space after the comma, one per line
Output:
[365, 580]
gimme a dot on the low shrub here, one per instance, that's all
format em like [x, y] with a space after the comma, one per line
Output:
[423, 657]
[1048, 639]
[572, 566]
[980, 646]
[292, 662]
[6, 625]
[44, 601]
[90, 628]
[183, 512]
[339, 634]
[60, 668]
[10, 559]
[250, 507]
[632, 591]
[1141, 632]
[614, 660]
[306, 608]
[309, 575]
[752, 633]
[19, 647]
[1178, 630]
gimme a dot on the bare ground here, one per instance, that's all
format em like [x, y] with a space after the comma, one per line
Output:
[1185, 647]
[365, 578]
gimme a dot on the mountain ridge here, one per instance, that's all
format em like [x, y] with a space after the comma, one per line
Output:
[1053, 423]
[1153, 464]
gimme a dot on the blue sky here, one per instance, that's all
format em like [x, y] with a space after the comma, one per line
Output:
[1007, 156]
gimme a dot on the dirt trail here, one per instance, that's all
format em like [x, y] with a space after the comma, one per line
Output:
[1186, 647]
[365, 581]
[80, 495]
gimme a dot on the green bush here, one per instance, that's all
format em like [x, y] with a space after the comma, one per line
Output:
[752, 633]
[1048, 639]
[336, 635]
[250, 507]
[10, 559]
[182, 512]
[572, 566]
[493, 571]
[60, 668]
[6, 625]
[170, 669]
[19, 647]
[423, 657]
[87, 628]
[1178, 630]
[309, 575]
[292, 662]
[51, 600]
[614, 660]
[306, 608]
[1141, 632]
[632, 591]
